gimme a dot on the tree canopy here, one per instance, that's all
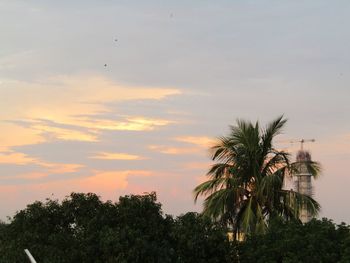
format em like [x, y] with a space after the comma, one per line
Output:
[287, 242]
[245, 186]
[82, 228]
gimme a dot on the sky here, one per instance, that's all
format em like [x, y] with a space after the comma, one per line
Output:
[126, 97]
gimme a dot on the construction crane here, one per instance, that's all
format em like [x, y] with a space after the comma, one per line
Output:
[301, 141]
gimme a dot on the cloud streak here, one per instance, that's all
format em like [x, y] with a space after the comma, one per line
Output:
[173, 150]
[201, 141]
[71, 108]
[117, 156]
[21, 159]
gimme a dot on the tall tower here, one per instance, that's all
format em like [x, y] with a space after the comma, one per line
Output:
[303, 182]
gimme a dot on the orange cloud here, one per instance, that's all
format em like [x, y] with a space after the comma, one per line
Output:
[65, 134]
[116, 156]
[105, 181]
[16, 158]
[102, 181]
[90, 129]
[61, 168]
[139, 124]
[129, 124]
[13, 135]
[61, 97]
[201, 141]
[61, 100]
[173, 150]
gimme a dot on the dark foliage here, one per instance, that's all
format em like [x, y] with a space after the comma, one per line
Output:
[317, 241]
[199, 240]
[84, 229]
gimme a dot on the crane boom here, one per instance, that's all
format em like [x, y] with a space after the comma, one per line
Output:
[301, 141]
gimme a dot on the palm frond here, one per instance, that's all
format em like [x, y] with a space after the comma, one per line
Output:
[314, 168]
[245, 185]
[280, 159]
[219, 203]
[272, 129]
[297, 200]
[219, 170]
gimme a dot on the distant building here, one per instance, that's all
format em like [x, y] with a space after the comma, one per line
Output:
[303, 182]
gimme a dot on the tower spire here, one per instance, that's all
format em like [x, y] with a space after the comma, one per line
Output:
[303, 180]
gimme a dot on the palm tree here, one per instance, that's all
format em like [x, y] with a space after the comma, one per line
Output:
[245, 185]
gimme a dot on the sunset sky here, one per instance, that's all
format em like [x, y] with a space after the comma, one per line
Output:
[121, 97]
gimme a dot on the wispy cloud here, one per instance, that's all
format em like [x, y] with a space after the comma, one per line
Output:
[125, 124]
[173, 150]
[69, 108]
[61, 168]
[111, 180]
[64, 134]
[116, 156]
[98, 182]
[201, 141]
[16, 158]
[12, 135]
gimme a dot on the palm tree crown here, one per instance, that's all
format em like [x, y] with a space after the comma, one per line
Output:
[245, 185]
